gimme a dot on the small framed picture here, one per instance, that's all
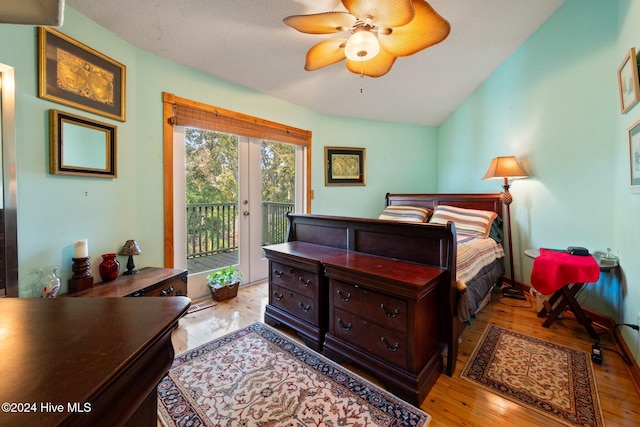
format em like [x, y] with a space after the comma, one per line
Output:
[634, 156]
[73, 74]
[628, 81]
[344, 166]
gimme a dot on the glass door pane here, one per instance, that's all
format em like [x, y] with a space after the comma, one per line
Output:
[278, 191]
[211, 185]
[267, 193]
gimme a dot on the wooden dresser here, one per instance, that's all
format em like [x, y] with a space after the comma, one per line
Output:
[383, 317]
[370, 292]
[85, 362]
[149, 282]
[298, 289]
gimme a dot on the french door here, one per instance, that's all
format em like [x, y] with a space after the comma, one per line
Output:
[237, 192]
[269, 184]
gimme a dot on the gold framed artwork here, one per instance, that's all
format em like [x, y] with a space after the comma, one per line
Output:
[634, 156]
[344, 166]
[73, 74]
[629, 88]
[82, 147]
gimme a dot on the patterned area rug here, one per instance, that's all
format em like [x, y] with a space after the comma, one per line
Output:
[549, 378]
[258, 377]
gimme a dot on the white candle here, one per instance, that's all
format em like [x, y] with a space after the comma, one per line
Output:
[80, 249]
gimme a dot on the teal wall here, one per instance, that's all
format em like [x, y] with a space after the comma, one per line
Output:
[54, 211]
[554, 104]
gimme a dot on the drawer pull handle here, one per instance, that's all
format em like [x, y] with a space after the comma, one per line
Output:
[305, 309]
[344, 297]
[305, 283]
[278, 273]
[277, 296]
[167, 292]
[386, 343]
[393, 314]
[139, 293]
[343, 326]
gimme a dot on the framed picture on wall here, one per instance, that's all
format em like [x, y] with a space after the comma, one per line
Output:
[73, 74]
[344, 166]
[628, 85]
[81, 147]
[634, 156]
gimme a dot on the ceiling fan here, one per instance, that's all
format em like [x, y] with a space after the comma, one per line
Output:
[379, 32]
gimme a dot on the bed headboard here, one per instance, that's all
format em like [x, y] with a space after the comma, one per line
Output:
[486, 202]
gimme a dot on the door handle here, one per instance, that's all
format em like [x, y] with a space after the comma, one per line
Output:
[245, 213]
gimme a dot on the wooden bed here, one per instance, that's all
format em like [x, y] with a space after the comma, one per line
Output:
[376, 293]
[485, 202]
[462, 303]
[368, 292]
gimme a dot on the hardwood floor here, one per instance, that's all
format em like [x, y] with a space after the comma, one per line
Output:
[453, 401]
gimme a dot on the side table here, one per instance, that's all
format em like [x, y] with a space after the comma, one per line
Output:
[563, 297]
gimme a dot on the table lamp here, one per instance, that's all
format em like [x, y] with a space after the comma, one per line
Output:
[506, 167]
[130, 249]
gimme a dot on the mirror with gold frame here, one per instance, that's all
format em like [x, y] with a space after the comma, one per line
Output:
[82, 147]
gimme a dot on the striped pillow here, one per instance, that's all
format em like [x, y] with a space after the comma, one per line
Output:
[468, 221]
[405, 214]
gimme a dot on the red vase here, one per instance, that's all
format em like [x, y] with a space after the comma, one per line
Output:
[109, 267]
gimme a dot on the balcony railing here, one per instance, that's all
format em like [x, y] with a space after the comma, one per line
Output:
[212, 228]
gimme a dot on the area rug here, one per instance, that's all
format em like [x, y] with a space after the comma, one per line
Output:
[258, 377]
[551, 379]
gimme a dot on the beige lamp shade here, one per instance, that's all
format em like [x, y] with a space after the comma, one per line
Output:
[505, 167]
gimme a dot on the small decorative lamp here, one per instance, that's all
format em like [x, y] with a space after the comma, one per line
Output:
[504, 168]
[130, 249]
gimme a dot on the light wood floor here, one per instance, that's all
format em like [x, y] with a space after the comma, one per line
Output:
[453, 401]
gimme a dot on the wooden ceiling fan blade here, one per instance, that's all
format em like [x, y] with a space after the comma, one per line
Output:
[325, 53]
[377, 66]
[321, 23]
[426, 29]
[383, 13]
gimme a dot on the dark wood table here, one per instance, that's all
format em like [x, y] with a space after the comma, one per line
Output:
[85, 361]
[149, 282]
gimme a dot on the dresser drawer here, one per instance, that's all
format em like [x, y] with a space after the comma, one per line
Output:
[299, 305]
[374, 339]
[301, 281]
[168, 288]
[382, 309]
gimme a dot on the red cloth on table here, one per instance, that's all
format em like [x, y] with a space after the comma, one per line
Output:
[554, 269]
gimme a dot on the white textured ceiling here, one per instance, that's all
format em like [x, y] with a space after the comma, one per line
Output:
[245, 42]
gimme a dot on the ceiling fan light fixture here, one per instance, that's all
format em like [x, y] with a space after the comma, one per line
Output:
[362, 45]
[380, 31]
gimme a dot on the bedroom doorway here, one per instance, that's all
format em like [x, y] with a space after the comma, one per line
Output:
[237, 191]
[254, 214]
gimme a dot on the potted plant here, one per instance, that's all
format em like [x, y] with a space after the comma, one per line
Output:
[224, 283]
